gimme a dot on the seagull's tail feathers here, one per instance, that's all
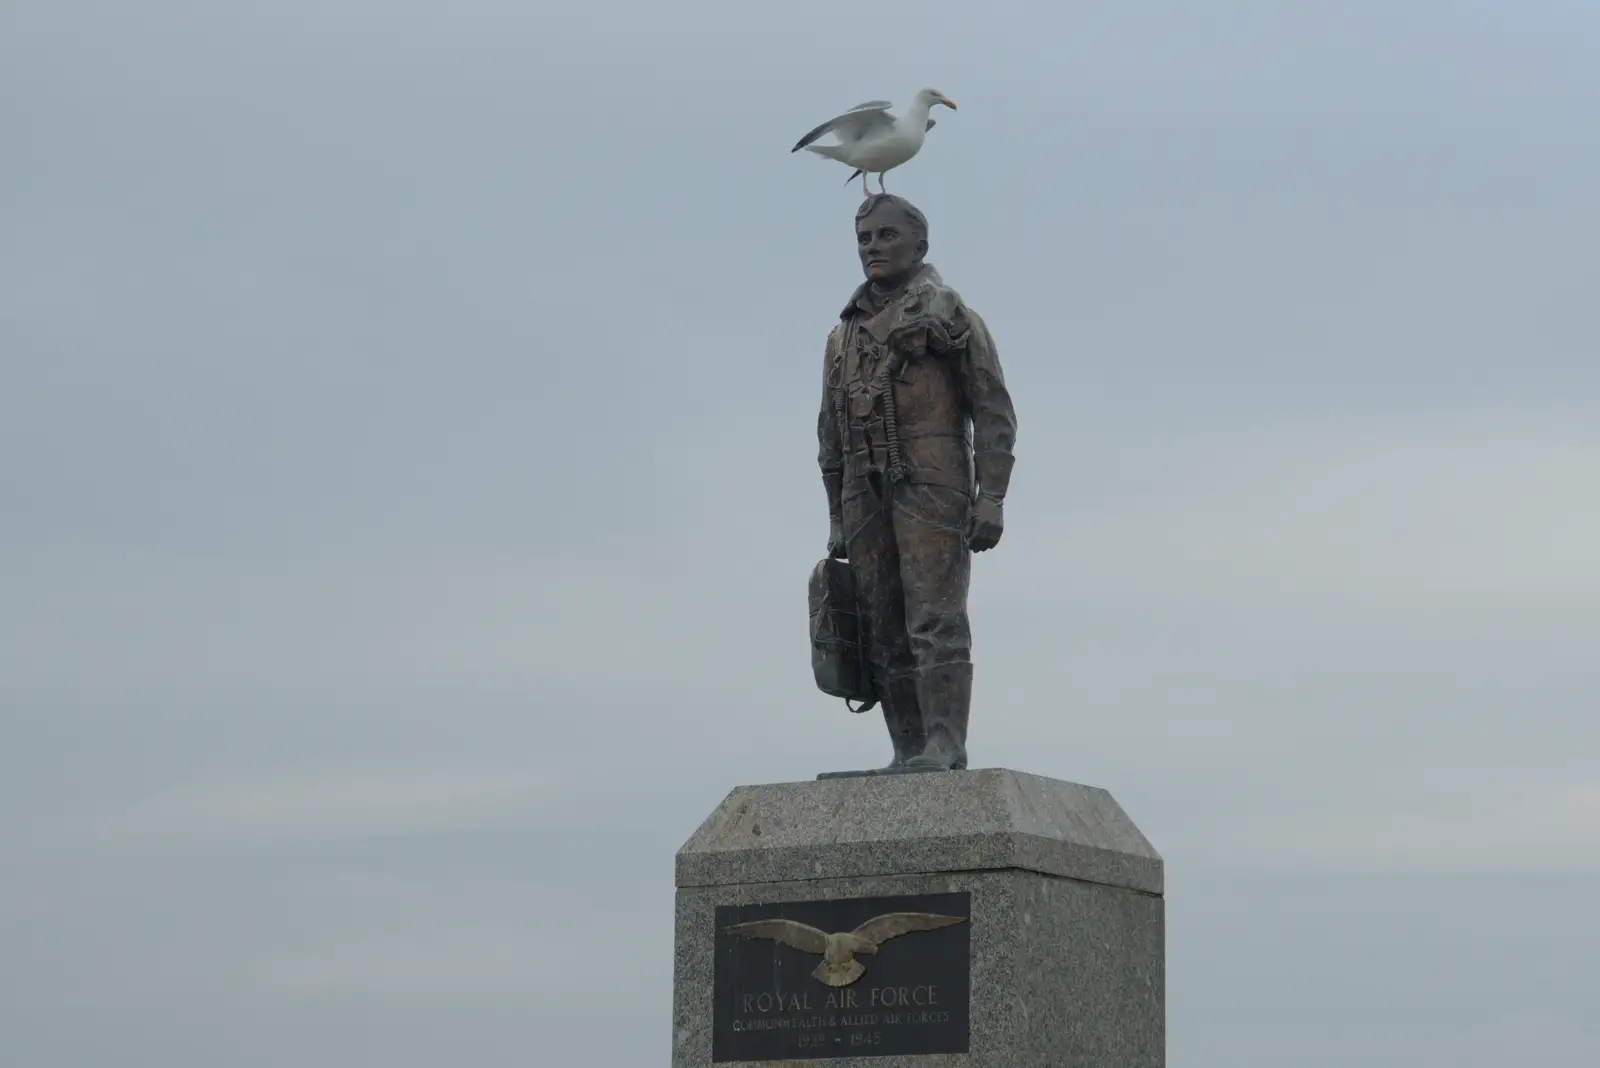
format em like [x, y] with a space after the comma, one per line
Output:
[853, 176]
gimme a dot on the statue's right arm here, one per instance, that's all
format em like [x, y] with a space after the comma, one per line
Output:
[830, 451]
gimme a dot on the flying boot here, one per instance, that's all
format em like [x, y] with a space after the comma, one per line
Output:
[903, 717]
[944, 694]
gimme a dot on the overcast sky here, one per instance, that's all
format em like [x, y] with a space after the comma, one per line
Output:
[407, 489]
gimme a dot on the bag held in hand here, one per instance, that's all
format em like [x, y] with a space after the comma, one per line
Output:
[838, 653]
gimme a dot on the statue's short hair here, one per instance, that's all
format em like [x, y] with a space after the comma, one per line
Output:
[912, 214]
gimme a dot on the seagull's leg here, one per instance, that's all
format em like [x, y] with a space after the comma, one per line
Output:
[881, 189]
[866, 191]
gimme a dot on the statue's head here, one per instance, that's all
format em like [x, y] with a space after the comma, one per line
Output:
[891, 238]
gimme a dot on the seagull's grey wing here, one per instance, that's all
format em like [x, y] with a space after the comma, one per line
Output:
[801, 936]
[880, 929]
[863, 120]
[932, 123]
[853, 124]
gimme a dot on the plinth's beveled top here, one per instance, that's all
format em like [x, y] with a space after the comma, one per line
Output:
[919, 824]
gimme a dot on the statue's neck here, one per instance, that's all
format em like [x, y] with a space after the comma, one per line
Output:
[883, 294]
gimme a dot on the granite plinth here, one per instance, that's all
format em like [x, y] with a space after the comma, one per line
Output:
[1067, 935]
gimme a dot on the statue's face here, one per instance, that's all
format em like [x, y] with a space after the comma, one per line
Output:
[889, 247]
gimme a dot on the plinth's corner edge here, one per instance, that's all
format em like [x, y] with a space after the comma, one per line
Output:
[983, 819]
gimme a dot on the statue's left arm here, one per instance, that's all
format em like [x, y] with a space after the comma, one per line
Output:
[994, 430]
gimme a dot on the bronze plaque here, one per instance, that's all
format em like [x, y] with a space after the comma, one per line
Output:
[855, 977]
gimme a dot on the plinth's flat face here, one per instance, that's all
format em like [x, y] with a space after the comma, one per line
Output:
[801, 980]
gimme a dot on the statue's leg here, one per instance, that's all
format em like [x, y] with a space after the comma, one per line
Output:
[935, 573]
[902, 715]
[875, 563]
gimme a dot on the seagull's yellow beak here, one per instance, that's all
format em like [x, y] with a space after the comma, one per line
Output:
[951, 104]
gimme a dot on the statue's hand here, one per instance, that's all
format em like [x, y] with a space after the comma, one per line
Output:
[836, 540]
[988, 522]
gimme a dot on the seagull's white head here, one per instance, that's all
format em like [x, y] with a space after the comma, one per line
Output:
[930, 97]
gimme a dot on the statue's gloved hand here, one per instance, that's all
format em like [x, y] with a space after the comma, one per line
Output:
[988, 523]
[836, 547]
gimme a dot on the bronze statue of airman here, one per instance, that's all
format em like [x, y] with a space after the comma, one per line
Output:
[915, 437]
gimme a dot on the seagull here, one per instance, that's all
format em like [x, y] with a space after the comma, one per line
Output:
[839, 966]
[873, 141]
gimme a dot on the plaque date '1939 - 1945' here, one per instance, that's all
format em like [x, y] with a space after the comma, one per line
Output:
[856, 977]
